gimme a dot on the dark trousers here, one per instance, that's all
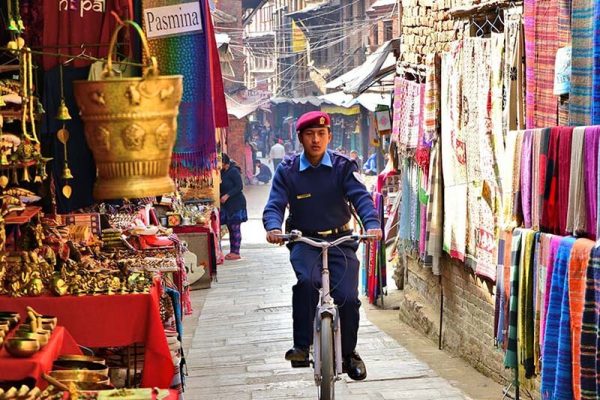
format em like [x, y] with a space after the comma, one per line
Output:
[276, 162]
[306, 262]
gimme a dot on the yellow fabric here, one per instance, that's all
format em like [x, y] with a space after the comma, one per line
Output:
[354, 110]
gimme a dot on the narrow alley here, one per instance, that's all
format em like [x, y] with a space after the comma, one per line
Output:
[245, 327]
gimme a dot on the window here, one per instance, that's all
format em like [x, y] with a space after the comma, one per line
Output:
[388, 30]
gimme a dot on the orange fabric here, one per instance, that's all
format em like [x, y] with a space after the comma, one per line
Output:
[110, 321]
[580, 256]
[14, 369]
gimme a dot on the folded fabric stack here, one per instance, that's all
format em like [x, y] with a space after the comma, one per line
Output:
[111, 239]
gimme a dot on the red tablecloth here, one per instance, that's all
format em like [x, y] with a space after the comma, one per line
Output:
[110, 321]
[14, 369]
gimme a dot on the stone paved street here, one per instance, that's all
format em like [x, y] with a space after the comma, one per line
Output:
[245, 328]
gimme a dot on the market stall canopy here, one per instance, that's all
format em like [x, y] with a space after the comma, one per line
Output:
[379, 64]
[314, 100]
[240, 108]
[339, 99]
[313, 8]
[370, 100]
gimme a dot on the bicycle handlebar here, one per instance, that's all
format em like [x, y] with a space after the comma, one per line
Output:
[296, 236]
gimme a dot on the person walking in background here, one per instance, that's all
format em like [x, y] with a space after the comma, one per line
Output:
[355, 157]
[264, 172]
[277, 154]
[370, 166]
[233, 205]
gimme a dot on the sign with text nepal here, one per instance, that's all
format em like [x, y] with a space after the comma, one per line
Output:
[173, 20]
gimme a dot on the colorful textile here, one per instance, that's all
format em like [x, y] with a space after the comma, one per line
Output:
[435, 210]
[576, 220]
[203, 102]
[525, 317]
[235, 237]
[556, 367]
[432, 100]
[592, 141]
[511, 355]
[564, 39]
[499, 295]
[596, 67]
[553, 251]
[422, 204]
[580, 256]
[535, 179]
[526, 160]
[510, 178]
[580, 95]
[408, 96]
[514, 74]
[590, 331]
[453, 155]
[541, 168]
[541, 45]
[564, 176]
[549, 222]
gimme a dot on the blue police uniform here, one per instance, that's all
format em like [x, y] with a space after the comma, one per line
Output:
[318, 201]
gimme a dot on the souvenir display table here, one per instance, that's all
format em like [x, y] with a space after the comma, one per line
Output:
[110, 321]
[14, 369]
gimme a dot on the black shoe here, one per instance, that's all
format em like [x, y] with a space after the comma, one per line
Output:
[354, 366]
[298, 356]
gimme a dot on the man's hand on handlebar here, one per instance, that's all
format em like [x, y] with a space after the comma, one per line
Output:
[376, 233]
[273, 237]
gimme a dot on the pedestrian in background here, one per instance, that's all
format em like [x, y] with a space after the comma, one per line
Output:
[277, 154]
[264, 172]
[233, 205]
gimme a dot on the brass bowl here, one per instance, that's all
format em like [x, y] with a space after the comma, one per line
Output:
[93, 386]
[60, 365]
[4, 326]
[41, 336]
[77, 375]
[19, 347]
[11, 314]
[12, 319]
[80, 357]
[27, 327]
[49, 320]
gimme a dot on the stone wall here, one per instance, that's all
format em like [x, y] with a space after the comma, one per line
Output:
[468, 318]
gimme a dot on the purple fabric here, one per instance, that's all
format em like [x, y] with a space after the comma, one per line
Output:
[590, 148]
[526, 177]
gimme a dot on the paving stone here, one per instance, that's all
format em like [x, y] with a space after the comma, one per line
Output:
[245, 327]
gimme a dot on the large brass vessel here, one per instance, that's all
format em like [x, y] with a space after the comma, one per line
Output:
[131, 127]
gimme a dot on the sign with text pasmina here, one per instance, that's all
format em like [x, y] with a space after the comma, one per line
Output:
[173, 20]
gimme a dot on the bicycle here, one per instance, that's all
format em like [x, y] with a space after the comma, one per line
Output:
[327, 337]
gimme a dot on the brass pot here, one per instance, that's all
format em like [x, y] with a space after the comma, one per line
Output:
[93, 386]
[48, 320]
[12, 321]
[41, 336]
[61, 365]
[80, 357]
[131, 127]
[75, 375]
[20, 347]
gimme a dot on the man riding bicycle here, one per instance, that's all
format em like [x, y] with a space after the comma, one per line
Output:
[317, 186]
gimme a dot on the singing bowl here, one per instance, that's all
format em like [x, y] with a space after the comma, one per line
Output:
[41, 336]
[47, 320]
[44, 327]
[77, 375]
[84, 365]
[93, 386]
[12, 321]
[20, 347]
[4, 326]
[80, 357]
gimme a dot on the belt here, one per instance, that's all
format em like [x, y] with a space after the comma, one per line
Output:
[335, 231]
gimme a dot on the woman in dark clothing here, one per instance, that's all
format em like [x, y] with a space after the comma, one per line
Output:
[233, 205]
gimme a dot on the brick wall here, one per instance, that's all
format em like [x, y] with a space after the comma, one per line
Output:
[468, 319]
[235, 140]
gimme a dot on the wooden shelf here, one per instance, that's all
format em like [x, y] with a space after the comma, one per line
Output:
[22, 217]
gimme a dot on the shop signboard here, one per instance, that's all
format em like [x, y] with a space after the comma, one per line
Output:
[173, 20]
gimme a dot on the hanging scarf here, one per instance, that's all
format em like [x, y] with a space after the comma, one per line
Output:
[550, 261]
[525, 317]
[592, 141]
[511, 355]
[535, 179]
[576, 204]
[556, 374]
[596, 67]
[435, 211]
[590, 331]
[526, 159]
[580, 256]
[580, 94]
[503, 288]
[541, 167]
[514, 74]
[511, 179]
[564, 176]
[432, 100]
[550, 221]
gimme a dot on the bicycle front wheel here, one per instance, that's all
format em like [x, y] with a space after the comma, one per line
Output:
[327, 359]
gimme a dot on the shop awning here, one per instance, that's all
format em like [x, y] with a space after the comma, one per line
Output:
[370, 100]
[381, 63]
[240, 108]
[314, 100]
[339, 99]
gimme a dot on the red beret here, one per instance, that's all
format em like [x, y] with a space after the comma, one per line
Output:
[313, 119]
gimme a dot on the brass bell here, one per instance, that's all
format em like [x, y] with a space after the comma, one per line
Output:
[67, 172]
[2, 102]
[4, 159]
[20, 25]
[63, 112]
[26, 177]
[12, 25]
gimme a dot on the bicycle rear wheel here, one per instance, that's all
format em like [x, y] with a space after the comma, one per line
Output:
[326, 391]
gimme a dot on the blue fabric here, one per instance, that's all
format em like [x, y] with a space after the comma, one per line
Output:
[371, 164]
[176, 300]
[556, 365]
[596, 66]
[305, 164]
[318, 197]
[343, 268]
